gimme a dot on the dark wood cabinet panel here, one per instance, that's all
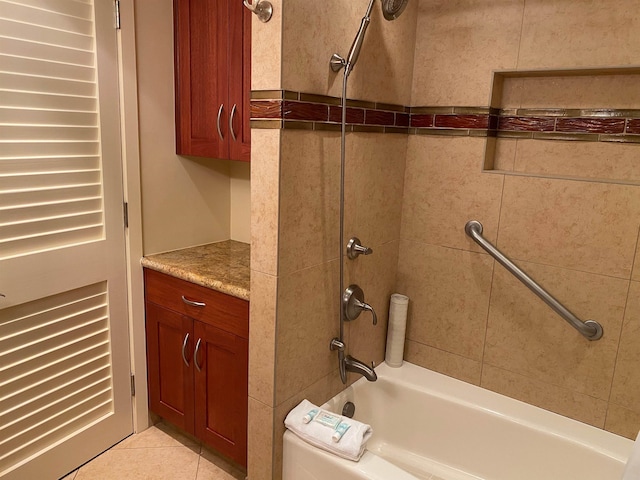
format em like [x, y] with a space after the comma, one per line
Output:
[221, 310]
[197, 361]
[221, 418]
[212, 41]
[170, 379]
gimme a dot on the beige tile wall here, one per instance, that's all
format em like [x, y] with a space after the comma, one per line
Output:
[574, 33]
[468, 317]
[459, 43]
[602, 160]
[313, 31]
[295, 211]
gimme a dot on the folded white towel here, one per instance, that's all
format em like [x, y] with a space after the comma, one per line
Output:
[632, 470]
[352, 444]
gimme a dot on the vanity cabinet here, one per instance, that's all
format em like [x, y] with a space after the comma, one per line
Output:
[197, 354]
[212, 42]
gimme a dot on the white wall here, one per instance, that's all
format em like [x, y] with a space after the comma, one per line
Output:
[185, 201]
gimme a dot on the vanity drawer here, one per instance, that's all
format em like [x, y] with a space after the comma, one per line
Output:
[224, 311]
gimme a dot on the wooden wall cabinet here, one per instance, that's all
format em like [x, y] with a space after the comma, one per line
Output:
[212, 42]
[198, 361]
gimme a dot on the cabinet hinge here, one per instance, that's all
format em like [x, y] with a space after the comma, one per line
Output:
[117, 7]
[133, 385]
[125, 207]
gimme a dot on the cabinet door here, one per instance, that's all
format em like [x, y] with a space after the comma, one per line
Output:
[201, 36]
[170, 347]
[221, 363]
[239, 81]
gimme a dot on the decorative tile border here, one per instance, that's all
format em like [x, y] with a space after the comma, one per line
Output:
[318, 112]
[285, 109]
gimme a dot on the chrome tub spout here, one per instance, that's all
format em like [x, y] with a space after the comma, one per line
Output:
[354, 365]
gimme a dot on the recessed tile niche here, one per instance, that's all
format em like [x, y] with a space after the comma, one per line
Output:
[568, 124]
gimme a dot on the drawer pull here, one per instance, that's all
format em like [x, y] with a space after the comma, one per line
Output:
[195, 355]
[192, 303]
[184, 346]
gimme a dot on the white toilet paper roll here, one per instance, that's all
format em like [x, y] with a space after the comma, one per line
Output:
[398, 308]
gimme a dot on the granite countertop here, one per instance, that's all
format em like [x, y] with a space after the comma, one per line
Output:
[222, 266]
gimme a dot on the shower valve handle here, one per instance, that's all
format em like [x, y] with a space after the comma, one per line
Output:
[353, 304]
[369, 308]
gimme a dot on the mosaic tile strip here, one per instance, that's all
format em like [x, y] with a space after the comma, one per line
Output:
[317, 112]
[591, 125]
[633, 126]
[311, 112]
[403, 119]
[299, 110]
[377, 117]
[354, 115]
[423, 120]
[462, 121]
[527, 124]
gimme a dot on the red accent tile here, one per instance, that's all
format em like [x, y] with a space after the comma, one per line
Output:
[402, 119]
[633, 125]
[526, 124]
[378, 117]
[305, 111]
[266, 108]
[462, 121]
[354, 115]
[590, 125]
[421, 120]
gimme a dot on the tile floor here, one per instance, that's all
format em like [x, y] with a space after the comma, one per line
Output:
[158, 453]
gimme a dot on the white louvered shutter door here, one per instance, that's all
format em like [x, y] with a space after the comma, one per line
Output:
[64, 366]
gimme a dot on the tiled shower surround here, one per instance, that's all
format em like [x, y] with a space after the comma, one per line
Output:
[567, 212]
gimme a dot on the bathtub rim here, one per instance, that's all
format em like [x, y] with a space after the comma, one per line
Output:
[409, 376]
[421, 379]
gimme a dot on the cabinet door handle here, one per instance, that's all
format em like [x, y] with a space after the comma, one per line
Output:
[192, 303]
[233, 114]
[184, 346]
[195, 355]
[218, 121]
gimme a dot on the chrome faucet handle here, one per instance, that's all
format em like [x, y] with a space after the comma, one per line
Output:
[355, 248]
[369, 308]
[353, 304]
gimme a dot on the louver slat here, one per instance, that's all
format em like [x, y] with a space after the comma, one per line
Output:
[55, 370]
[48, 121]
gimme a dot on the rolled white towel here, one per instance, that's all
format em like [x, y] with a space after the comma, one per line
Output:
[632, 469]
[352, 444]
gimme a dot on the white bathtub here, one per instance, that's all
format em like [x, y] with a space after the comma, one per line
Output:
[429, 426]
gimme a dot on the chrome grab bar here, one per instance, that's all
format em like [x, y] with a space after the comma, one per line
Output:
[590, 329]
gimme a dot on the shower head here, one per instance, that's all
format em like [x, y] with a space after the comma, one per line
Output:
[391, 9]
[354, 51]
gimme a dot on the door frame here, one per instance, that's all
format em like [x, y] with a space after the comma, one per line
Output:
[132, 195]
